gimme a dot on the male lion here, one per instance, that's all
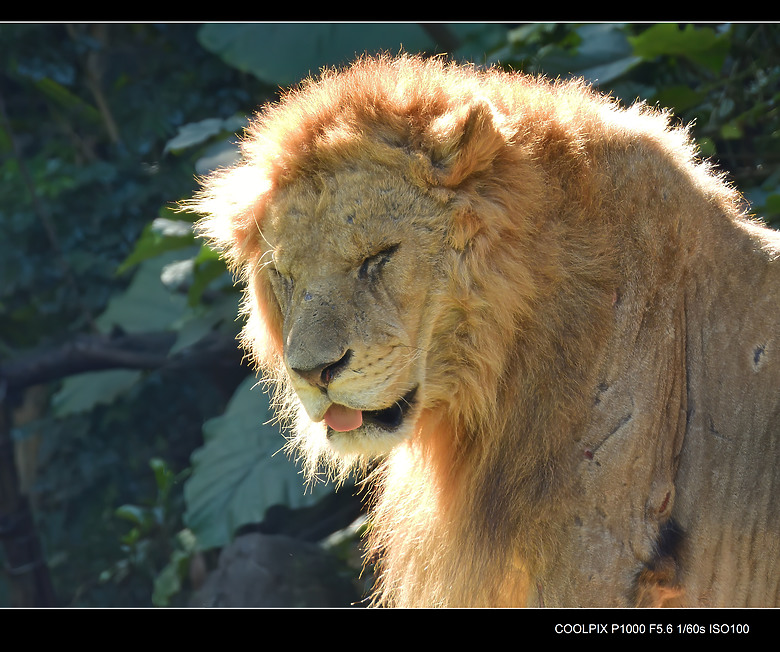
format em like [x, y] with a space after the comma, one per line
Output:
[554, 328]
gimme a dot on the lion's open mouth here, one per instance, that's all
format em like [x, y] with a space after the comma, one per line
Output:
[392, 417]
[340, 418]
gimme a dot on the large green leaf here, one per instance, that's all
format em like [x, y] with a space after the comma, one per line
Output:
[240, 472]
[285, 53]
[67, 99]
[198, 322]
[147, 305]
[197, 133]
[679, 98]
[161, 235]
[700, 44]
[194, 133]
[602, 55]
[83, 392]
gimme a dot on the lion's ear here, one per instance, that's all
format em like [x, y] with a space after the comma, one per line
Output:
[465, 141]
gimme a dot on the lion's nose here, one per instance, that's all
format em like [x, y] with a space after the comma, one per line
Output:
[322, 375]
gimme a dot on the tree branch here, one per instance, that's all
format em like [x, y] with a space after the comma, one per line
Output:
[99, 352]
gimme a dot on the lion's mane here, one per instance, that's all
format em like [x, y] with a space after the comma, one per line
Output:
[605, 423]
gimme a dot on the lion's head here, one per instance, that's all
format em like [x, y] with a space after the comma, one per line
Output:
[355, 261]
[359, 226]
[507, 289]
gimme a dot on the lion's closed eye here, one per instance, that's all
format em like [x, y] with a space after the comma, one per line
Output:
[372, 265]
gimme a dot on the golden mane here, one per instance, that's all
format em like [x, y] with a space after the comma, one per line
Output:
[580, 264]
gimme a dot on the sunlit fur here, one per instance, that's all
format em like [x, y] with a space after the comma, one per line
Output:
[576, 230]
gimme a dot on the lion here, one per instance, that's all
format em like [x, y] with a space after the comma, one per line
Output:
[544, 330]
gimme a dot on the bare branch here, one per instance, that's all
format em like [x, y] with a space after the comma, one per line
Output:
[127, 351]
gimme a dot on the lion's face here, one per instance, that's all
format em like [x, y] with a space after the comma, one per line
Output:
[356, 255]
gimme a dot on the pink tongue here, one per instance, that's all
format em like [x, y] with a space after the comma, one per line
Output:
[342, 418]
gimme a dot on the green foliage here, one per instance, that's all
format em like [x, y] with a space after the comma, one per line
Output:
[84, 171]
[158, 237]
[593, 51]
[172, 578]
[147, 304]
[705, 46]
[152, 541]
[285, 53]
[83, 392]
[240, 472]
[89, 169]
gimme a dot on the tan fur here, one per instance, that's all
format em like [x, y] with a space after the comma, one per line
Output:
[590, 321]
